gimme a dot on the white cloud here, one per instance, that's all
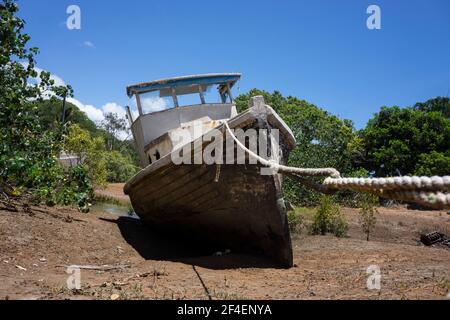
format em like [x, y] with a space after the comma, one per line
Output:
[112, 107]
[92, 112]
[98, 115]
[88, 44]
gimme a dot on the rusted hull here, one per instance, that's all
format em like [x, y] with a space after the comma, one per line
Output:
[234, 208]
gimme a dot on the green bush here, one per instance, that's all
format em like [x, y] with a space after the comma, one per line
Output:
[91, 152]
[329, 219]
[433, 163]
[119, 167]
[367, 213]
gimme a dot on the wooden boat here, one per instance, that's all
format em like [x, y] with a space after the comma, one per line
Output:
[224, 206]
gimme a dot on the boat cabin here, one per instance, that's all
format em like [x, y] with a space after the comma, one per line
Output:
[179, 107]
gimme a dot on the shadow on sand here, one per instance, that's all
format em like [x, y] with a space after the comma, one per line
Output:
[152, 245]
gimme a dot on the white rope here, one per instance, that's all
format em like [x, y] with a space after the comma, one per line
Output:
[430, 191]
[395, 183]
[307, 172]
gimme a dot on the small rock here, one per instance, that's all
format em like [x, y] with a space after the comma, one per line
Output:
[5, 261]
[21, 268]
[35, 265]
[115, 296]
[42, 260]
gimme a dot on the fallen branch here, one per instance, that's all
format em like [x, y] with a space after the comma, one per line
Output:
[8, 206]
[99, 268]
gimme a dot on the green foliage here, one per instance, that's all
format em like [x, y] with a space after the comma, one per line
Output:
[123, 161]
[28, 150]
[50, 114]
[329, 219]
[439, 104]
[120, 168]
[75, 188]
[101, 165]
[406, 140]
[323, 140]
[433, 163]
[91, 152]
[367, 213]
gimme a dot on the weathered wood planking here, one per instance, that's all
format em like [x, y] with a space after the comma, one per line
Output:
[244, 211]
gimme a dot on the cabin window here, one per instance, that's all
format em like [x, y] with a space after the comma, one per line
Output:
[212, 95]
[149, 159]
[157, 155]
[190, 99]
[153, 102]
[162, 97]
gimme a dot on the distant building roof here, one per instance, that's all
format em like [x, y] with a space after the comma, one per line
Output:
[185, 81]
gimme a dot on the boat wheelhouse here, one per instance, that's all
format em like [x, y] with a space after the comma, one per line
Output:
[156, 134]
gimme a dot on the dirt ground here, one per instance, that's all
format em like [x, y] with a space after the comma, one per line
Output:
[38, 244]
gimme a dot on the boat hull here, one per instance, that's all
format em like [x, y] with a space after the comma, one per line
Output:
[231, 206]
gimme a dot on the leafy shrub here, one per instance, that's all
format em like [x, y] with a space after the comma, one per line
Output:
[119, 167]
[329, 219]
[91, 152]
[433, 163]
[367, 213]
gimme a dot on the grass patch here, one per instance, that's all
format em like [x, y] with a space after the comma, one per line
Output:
[444, 283]
[220, 295]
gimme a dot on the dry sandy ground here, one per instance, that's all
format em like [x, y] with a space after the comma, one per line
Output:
[36, 246]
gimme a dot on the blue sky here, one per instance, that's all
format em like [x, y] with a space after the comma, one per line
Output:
[320, 51]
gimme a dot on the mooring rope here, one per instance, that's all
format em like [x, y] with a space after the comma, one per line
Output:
[306, 172]
[429, 191]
